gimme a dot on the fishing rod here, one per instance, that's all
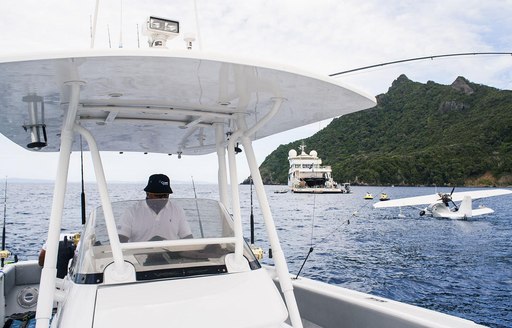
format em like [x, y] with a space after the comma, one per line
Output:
[257, 251]
[311, 242]
[252, 218]
[82, 196]
[197, 208]
[420, 58]
[4, 254]
[312, 246]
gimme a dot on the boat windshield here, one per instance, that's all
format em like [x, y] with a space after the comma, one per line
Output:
[187, 237]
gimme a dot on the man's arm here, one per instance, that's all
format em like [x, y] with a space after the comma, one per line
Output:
[41, 257]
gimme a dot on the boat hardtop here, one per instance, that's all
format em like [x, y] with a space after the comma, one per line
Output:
[129, 96]
[184, 103]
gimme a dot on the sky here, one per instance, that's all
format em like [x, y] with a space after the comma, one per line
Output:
[323, 37]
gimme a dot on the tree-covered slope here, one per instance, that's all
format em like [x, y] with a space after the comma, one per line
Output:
[418, 134]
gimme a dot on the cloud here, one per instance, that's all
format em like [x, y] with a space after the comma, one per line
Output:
[323, 37]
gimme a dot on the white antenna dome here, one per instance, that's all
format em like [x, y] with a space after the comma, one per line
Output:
[292, 153]
[313, 153]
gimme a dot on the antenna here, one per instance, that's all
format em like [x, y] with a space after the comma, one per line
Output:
[93, 26]
[138, 39]
[197, 26]
[90, 31]
[121, 26]
[108, 32]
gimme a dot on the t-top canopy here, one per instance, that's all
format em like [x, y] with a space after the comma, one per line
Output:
[160, 100]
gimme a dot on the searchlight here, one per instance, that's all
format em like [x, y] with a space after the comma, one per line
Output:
[160, 30]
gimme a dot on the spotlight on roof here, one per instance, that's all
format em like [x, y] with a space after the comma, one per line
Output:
[159, 30]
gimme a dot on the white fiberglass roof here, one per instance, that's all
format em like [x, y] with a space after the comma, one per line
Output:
[164, 101]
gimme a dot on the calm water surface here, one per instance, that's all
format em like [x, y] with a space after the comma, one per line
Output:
[462, 268]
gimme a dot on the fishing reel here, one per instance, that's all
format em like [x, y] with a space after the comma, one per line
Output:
[4, 254]
[257, 251]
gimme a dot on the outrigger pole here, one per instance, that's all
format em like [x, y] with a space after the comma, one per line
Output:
[420, 58]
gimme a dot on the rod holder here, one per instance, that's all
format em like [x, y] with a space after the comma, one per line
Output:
[36, 125]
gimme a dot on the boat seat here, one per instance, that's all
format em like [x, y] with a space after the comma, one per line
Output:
[20, 274]
[9, 278]
[20, 279]
[27, 273]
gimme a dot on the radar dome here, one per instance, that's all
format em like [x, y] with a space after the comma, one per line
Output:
[313, 153]
[292, 153]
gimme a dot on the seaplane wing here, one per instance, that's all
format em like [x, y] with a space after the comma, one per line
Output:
[409, 201]
[431, 199]
[476, 194]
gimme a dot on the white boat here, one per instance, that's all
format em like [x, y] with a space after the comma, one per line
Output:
[306, 174]
[187, 103]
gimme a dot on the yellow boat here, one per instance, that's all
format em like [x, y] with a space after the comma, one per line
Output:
[383, 197]
[368, 196]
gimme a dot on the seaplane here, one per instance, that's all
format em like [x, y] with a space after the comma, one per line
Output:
[443, 205]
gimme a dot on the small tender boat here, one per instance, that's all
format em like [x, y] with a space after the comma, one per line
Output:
[383, 197]
[368, 196]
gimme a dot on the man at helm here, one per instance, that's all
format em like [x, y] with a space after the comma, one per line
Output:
[156, 218]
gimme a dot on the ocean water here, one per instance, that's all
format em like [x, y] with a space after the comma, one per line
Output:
[462, 268]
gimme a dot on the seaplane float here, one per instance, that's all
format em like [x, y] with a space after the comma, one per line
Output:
[183, 102]
[443, 205]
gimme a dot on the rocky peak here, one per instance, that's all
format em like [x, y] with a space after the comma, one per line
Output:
[401, 79]
[462, 85]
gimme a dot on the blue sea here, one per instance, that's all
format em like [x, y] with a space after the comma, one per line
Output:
[462, 268]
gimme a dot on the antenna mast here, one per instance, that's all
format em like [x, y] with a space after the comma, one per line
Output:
[121, 26]
[197, 26]
[95, 20]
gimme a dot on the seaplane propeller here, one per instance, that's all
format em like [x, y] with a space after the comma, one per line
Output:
[447, 198]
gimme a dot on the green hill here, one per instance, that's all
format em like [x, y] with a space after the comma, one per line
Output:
[418, 134]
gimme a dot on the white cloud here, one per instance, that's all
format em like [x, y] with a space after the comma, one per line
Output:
[323, 36]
